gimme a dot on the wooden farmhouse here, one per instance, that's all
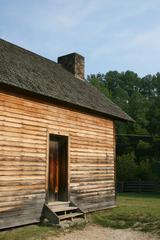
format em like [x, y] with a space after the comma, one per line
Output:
[57, 139]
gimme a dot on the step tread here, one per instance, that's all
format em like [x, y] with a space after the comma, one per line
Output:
[62, 209]
[57, 203]
[70, 215]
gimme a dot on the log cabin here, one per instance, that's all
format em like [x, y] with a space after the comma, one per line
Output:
[57, 139]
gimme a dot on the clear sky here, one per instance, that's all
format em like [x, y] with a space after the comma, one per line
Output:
[111, 34]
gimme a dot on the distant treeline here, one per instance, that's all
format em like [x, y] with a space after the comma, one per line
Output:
[138, 144]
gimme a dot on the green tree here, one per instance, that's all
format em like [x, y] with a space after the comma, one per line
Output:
[126, 167]
[140, 98]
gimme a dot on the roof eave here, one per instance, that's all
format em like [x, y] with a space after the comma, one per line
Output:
[38, 96]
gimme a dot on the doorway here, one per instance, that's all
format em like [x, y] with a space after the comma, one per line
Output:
[58, 168]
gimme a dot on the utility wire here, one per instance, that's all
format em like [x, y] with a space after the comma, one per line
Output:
[138, 135]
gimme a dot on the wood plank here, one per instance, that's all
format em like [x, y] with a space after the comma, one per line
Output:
[24, 128]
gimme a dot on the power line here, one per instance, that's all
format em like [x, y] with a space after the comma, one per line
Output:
[138, 135]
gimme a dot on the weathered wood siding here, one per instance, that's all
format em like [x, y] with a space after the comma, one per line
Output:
[24, 128]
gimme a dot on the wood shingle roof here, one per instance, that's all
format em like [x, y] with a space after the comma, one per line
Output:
[26, 70]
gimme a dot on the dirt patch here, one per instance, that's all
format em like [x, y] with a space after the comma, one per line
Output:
[99, 233]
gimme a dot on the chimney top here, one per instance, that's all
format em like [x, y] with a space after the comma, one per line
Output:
[74, 63]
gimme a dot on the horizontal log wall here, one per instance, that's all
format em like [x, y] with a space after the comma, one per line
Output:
[24, 127]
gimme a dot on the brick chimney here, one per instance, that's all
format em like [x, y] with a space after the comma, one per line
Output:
[74, 63]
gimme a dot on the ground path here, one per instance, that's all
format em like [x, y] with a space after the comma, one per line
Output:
[95, 232]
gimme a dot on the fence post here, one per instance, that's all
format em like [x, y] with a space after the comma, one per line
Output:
[139, 185]
[122, 186]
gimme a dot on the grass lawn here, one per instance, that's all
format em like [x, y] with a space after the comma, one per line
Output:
[31, 232]
[136, 211]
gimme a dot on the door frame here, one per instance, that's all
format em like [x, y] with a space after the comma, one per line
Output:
[63, 134]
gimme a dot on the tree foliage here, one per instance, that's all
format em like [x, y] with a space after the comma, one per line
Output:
[140, 98]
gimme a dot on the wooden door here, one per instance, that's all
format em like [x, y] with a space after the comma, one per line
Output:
[58, 168]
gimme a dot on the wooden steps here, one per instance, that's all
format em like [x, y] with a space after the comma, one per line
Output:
[63, 209]
[58, 211]
[70, 216]
[57, 204]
